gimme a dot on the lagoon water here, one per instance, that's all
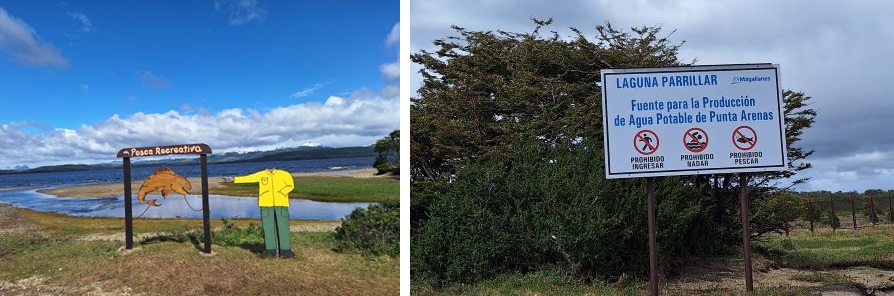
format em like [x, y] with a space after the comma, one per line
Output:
[175, 206]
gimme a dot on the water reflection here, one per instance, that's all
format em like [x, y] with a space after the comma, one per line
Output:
[175, 206]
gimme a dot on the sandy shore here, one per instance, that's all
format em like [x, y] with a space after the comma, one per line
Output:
[116, 189]
[13, 188]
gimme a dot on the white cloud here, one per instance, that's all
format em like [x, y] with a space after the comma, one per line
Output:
[309, 90]
[241, 11]
[357, 120]
[22, 43]
[391, 71]
[393, 36]
[86, 25]
[84, 86]
[334, 101]
[150, 80]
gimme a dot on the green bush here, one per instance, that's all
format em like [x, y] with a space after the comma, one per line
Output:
[250, 237]
[831, 220]
[774, 248]
[382, 165]
[551, 206]
[374, 230]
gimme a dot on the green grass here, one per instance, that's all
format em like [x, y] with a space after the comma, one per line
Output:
[548, 283]
[868, 247]
[328, 189]
[539, 283]
[829, 278]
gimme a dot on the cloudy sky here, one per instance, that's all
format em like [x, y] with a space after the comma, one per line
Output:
[838, 53]
[81, 80]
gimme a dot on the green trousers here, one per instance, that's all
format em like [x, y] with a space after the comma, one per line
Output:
[275, 221]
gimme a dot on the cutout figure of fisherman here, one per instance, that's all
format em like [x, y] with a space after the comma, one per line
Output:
[273, 199]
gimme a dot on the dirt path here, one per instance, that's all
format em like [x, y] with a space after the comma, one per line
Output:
[727, 273]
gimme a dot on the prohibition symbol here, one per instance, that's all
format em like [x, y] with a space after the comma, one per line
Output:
[645, 142]
[744, 138]
[695, 140]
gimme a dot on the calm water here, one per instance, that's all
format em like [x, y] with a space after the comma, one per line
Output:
[175, 206]
[140, 173]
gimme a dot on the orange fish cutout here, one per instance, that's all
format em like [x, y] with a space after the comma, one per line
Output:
[166, 180]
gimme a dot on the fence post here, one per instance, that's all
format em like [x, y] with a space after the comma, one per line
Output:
[834, 216]
[810, 212]
[853, 212]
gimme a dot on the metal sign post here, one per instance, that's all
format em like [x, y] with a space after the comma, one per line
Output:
[202, 149]
[746, 229]
[653, 246]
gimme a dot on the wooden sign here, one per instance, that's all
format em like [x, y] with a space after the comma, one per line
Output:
[165, 150]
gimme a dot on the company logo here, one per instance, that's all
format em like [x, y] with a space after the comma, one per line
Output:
[742, 79]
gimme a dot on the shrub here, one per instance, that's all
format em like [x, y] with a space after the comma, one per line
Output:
[382, 165]
[374, 230]
[250, 237]
[551, 206]
[774, 248]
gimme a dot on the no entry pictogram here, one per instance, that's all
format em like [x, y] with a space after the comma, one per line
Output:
[695, 140]
[645, 142]
[744, 138]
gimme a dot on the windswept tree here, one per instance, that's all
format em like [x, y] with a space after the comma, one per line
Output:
[388, 148]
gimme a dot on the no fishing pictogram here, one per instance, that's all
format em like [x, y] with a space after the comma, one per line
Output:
[645, 142]
[744, 138]
[695, 140]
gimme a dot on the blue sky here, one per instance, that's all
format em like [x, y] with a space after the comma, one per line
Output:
[84, 79]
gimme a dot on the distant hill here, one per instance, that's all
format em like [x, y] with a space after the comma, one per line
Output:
[283, 154]
[57, 168]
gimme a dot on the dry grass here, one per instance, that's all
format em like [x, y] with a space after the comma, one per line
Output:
[50, 255]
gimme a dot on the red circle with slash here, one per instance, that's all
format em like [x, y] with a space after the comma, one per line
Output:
[744, 138]
[693, 142]
[642, 142]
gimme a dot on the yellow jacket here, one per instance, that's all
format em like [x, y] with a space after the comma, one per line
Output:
[273, 187]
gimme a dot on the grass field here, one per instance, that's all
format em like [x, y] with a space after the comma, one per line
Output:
[847, 261]
[330, 189]
[50, 254]
[544, 283]
[824, 249]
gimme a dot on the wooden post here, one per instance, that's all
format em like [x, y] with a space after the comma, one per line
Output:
[872, 216]
[746, 231]
[206, 214]
[128, 207]
[890, 210]
[653, 246]
[810, 212]
[834, 216]
[853, 213]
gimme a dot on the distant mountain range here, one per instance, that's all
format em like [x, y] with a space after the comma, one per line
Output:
[282, 154]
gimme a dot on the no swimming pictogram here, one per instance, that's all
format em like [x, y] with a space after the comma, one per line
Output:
[744, 138]
[695, 140]
[645, 142]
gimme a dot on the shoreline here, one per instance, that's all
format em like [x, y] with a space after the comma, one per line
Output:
[105, 190]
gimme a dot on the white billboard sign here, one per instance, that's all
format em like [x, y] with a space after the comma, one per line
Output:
[693, 120]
